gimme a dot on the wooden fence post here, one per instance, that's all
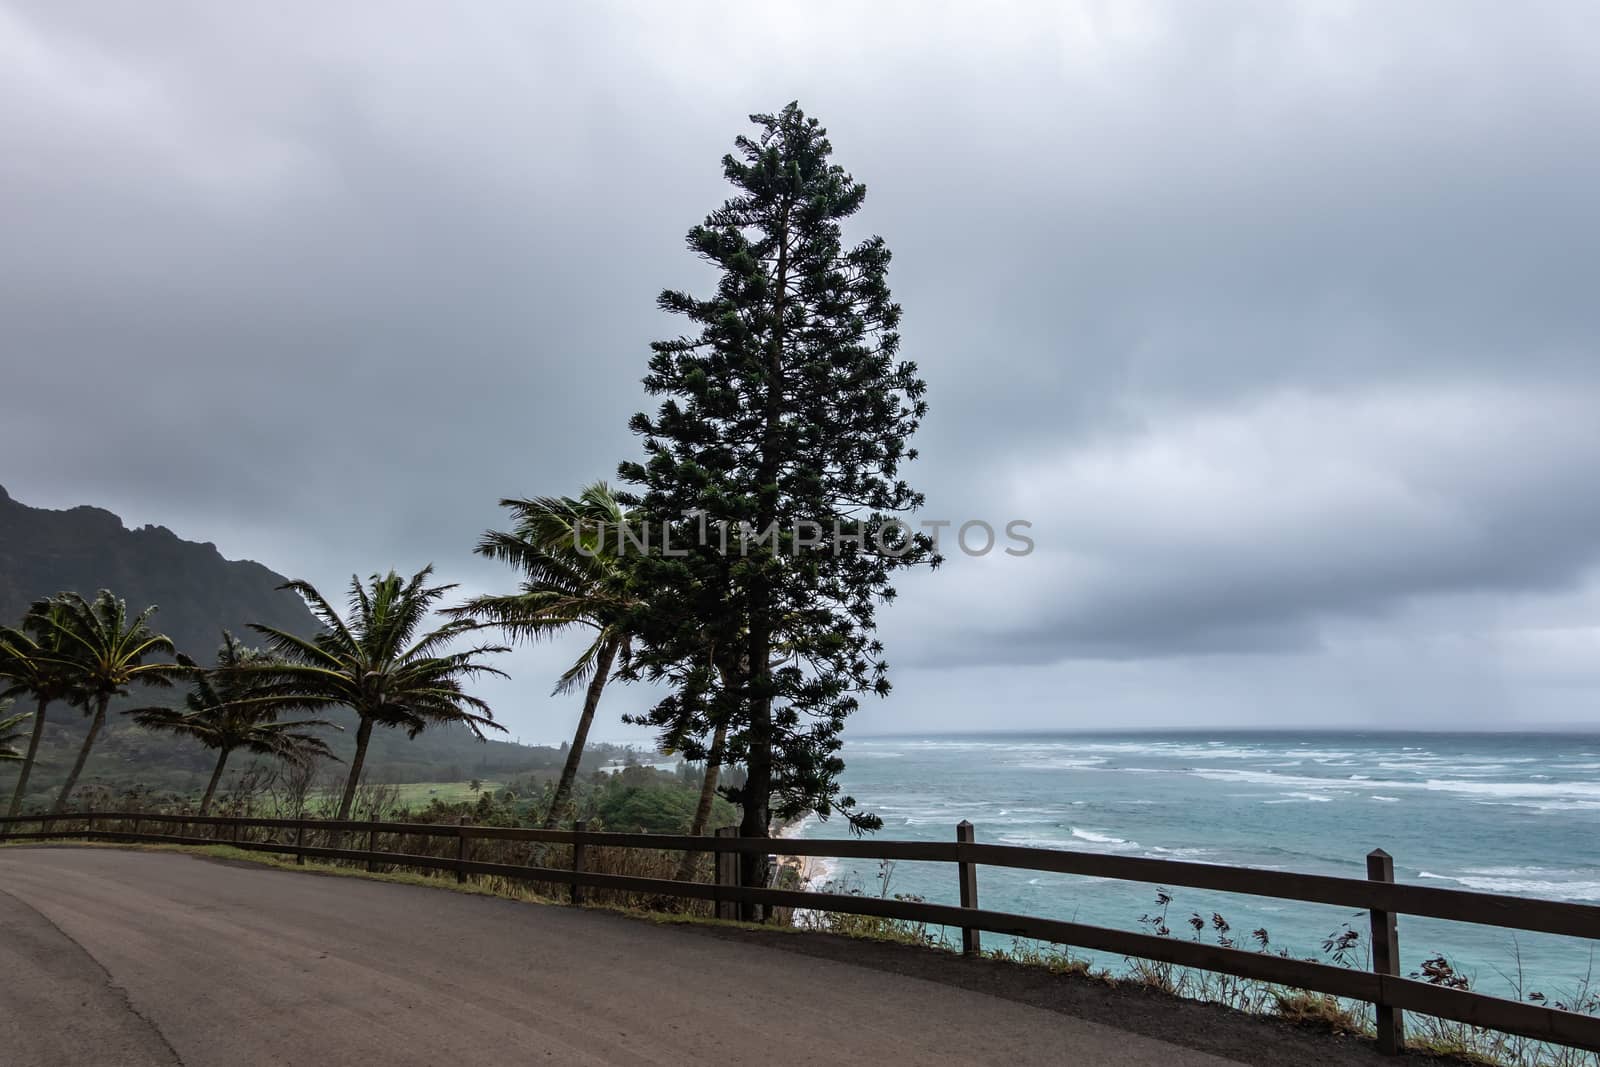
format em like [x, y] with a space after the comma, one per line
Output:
[89, 832]
[300, 841]
[461, 850]
[578, 827]
[372, 840]
[1390, 1021]
[727, 875]
[971, 942]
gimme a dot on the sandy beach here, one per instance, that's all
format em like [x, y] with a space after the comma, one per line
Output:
[812, 871]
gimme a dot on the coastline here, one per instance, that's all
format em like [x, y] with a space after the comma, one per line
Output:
[810, 871]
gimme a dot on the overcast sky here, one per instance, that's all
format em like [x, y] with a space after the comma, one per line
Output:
[1279, 322]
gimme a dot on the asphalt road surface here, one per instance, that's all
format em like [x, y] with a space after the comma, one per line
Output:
[130, 958]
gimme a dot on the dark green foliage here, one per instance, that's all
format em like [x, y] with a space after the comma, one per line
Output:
[99, 653]
[12, 731]
[633, 799]
[572, 576]
[31, 665]
[381, 663]
[219, 712]
[641, 800]
[649, 811]
[786, 409]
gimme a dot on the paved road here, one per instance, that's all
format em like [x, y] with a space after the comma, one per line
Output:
[133, 958]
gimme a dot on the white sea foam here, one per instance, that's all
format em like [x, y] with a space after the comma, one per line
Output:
[1018, 816]
[1582, 793]
[1300, 798]
[1290, 781]
[1553, 805]
[1091, 840]
[1183, 853]
[1554, 790]
[1176, 750]
[1031, 841]
[1390, 800]
[1526, 881]
[1453, 766]
[1060, 763]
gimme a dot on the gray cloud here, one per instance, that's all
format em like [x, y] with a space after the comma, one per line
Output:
[1275, 321]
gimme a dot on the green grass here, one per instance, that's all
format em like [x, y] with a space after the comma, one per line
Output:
[416, 795]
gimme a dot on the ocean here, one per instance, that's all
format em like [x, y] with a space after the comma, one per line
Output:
[1500, 813]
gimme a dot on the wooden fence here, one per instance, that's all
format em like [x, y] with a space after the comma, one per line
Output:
[1378, 894]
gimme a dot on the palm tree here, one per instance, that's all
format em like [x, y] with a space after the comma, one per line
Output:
[716, 756]
[221, 718]
[376, 664]
[708, 795]
[573, 576]
[29, 667]
[102, 652]
[9, 734]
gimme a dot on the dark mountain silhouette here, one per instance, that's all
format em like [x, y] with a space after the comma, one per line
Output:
[85, 549]
[199, 593]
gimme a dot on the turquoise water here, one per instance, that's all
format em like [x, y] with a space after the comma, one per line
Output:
[1499, 813]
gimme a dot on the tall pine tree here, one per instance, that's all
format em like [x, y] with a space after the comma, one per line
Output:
[773, 463]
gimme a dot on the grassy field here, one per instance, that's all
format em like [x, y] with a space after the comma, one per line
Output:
[417, 794]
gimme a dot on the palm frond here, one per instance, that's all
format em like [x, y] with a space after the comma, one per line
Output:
[382, 660]
[10, 733]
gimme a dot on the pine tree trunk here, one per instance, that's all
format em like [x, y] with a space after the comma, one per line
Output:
[95, 724]
[216, 776]
[756, 796]
[591, 701]
[27, 762]
[708, 795]
[363, 735]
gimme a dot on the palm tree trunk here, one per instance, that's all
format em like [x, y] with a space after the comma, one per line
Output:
[27, 761]
[216, 776]
[71, 783]
[363, 735]
[708, 794]
[591, 701]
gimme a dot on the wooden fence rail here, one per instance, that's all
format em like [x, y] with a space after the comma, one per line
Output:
[1384, 899]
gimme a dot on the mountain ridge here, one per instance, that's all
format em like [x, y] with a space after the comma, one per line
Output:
[198, 593]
